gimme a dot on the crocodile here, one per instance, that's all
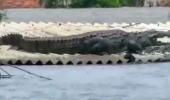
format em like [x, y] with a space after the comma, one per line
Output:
[96, 42]
[89, 43]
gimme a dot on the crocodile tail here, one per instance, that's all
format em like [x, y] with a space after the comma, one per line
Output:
[12, 39]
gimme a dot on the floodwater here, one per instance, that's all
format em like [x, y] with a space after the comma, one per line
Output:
[118, 82]
[92, 15]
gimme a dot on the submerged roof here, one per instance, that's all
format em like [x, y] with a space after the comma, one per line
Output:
[50, 29]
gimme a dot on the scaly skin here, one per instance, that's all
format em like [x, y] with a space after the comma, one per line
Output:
[97, 42]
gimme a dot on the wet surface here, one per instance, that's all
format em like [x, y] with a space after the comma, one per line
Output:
[125, 82]
[118, 82]
[92, 15]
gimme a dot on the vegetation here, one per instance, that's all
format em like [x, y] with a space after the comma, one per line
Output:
[1, 15]
[56, 3]
[95, 3]
[90, 3]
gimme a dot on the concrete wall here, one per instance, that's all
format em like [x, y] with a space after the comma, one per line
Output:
[155, 3]
[19, 3]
